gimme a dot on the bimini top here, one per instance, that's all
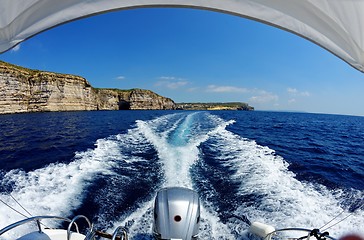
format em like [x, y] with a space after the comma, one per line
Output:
[336, 25]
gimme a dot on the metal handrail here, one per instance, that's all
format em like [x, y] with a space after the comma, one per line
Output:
[31, 219]
[119, 230]
[269, 236]
[73, 222]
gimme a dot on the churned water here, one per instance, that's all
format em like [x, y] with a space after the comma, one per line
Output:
[284, 169]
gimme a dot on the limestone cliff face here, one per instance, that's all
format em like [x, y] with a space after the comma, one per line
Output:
[135, 99]
[25, 90]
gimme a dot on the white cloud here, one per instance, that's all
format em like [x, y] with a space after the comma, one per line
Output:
[292, 90]
[292, 100]
[167, 78]
[120, 78]
[259, 96]
[264, 97]
[305, 94]
[175, 85]
[171, 82]
[193, 89]
[226, 89]
[295, 92]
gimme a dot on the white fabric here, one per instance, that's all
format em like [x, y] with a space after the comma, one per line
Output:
[336, 25]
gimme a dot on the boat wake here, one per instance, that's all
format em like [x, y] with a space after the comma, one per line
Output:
[115, 182]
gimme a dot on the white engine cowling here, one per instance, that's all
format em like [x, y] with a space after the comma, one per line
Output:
[176, 214]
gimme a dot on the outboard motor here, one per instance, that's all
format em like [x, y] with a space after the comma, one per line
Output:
[176, 214]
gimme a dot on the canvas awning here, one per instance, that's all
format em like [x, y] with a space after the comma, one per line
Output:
[336, 25]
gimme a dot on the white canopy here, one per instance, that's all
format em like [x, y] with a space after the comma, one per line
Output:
[336, 25]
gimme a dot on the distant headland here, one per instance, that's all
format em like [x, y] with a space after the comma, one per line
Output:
[26, 90]
[215, 106]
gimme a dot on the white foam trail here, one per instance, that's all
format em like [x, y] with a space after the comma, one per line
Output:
[285, 202]
[138, 222]
[176, 159]
[211, 227]
[180, 151]
[177, 146]
[56, 189]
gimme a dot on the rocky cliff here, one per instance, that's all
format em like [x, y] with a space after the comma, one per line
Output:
[215, 106]
[134, 99]
[26, 90]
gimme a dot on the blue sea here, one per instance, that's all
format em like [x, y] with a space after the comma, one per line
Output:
[283, 169]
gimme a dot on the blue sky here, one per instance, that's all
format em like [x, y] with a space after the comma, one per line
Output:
[194, 55]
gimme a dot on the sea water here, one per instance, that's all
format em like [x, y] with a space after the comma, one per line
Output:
[283, 169]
